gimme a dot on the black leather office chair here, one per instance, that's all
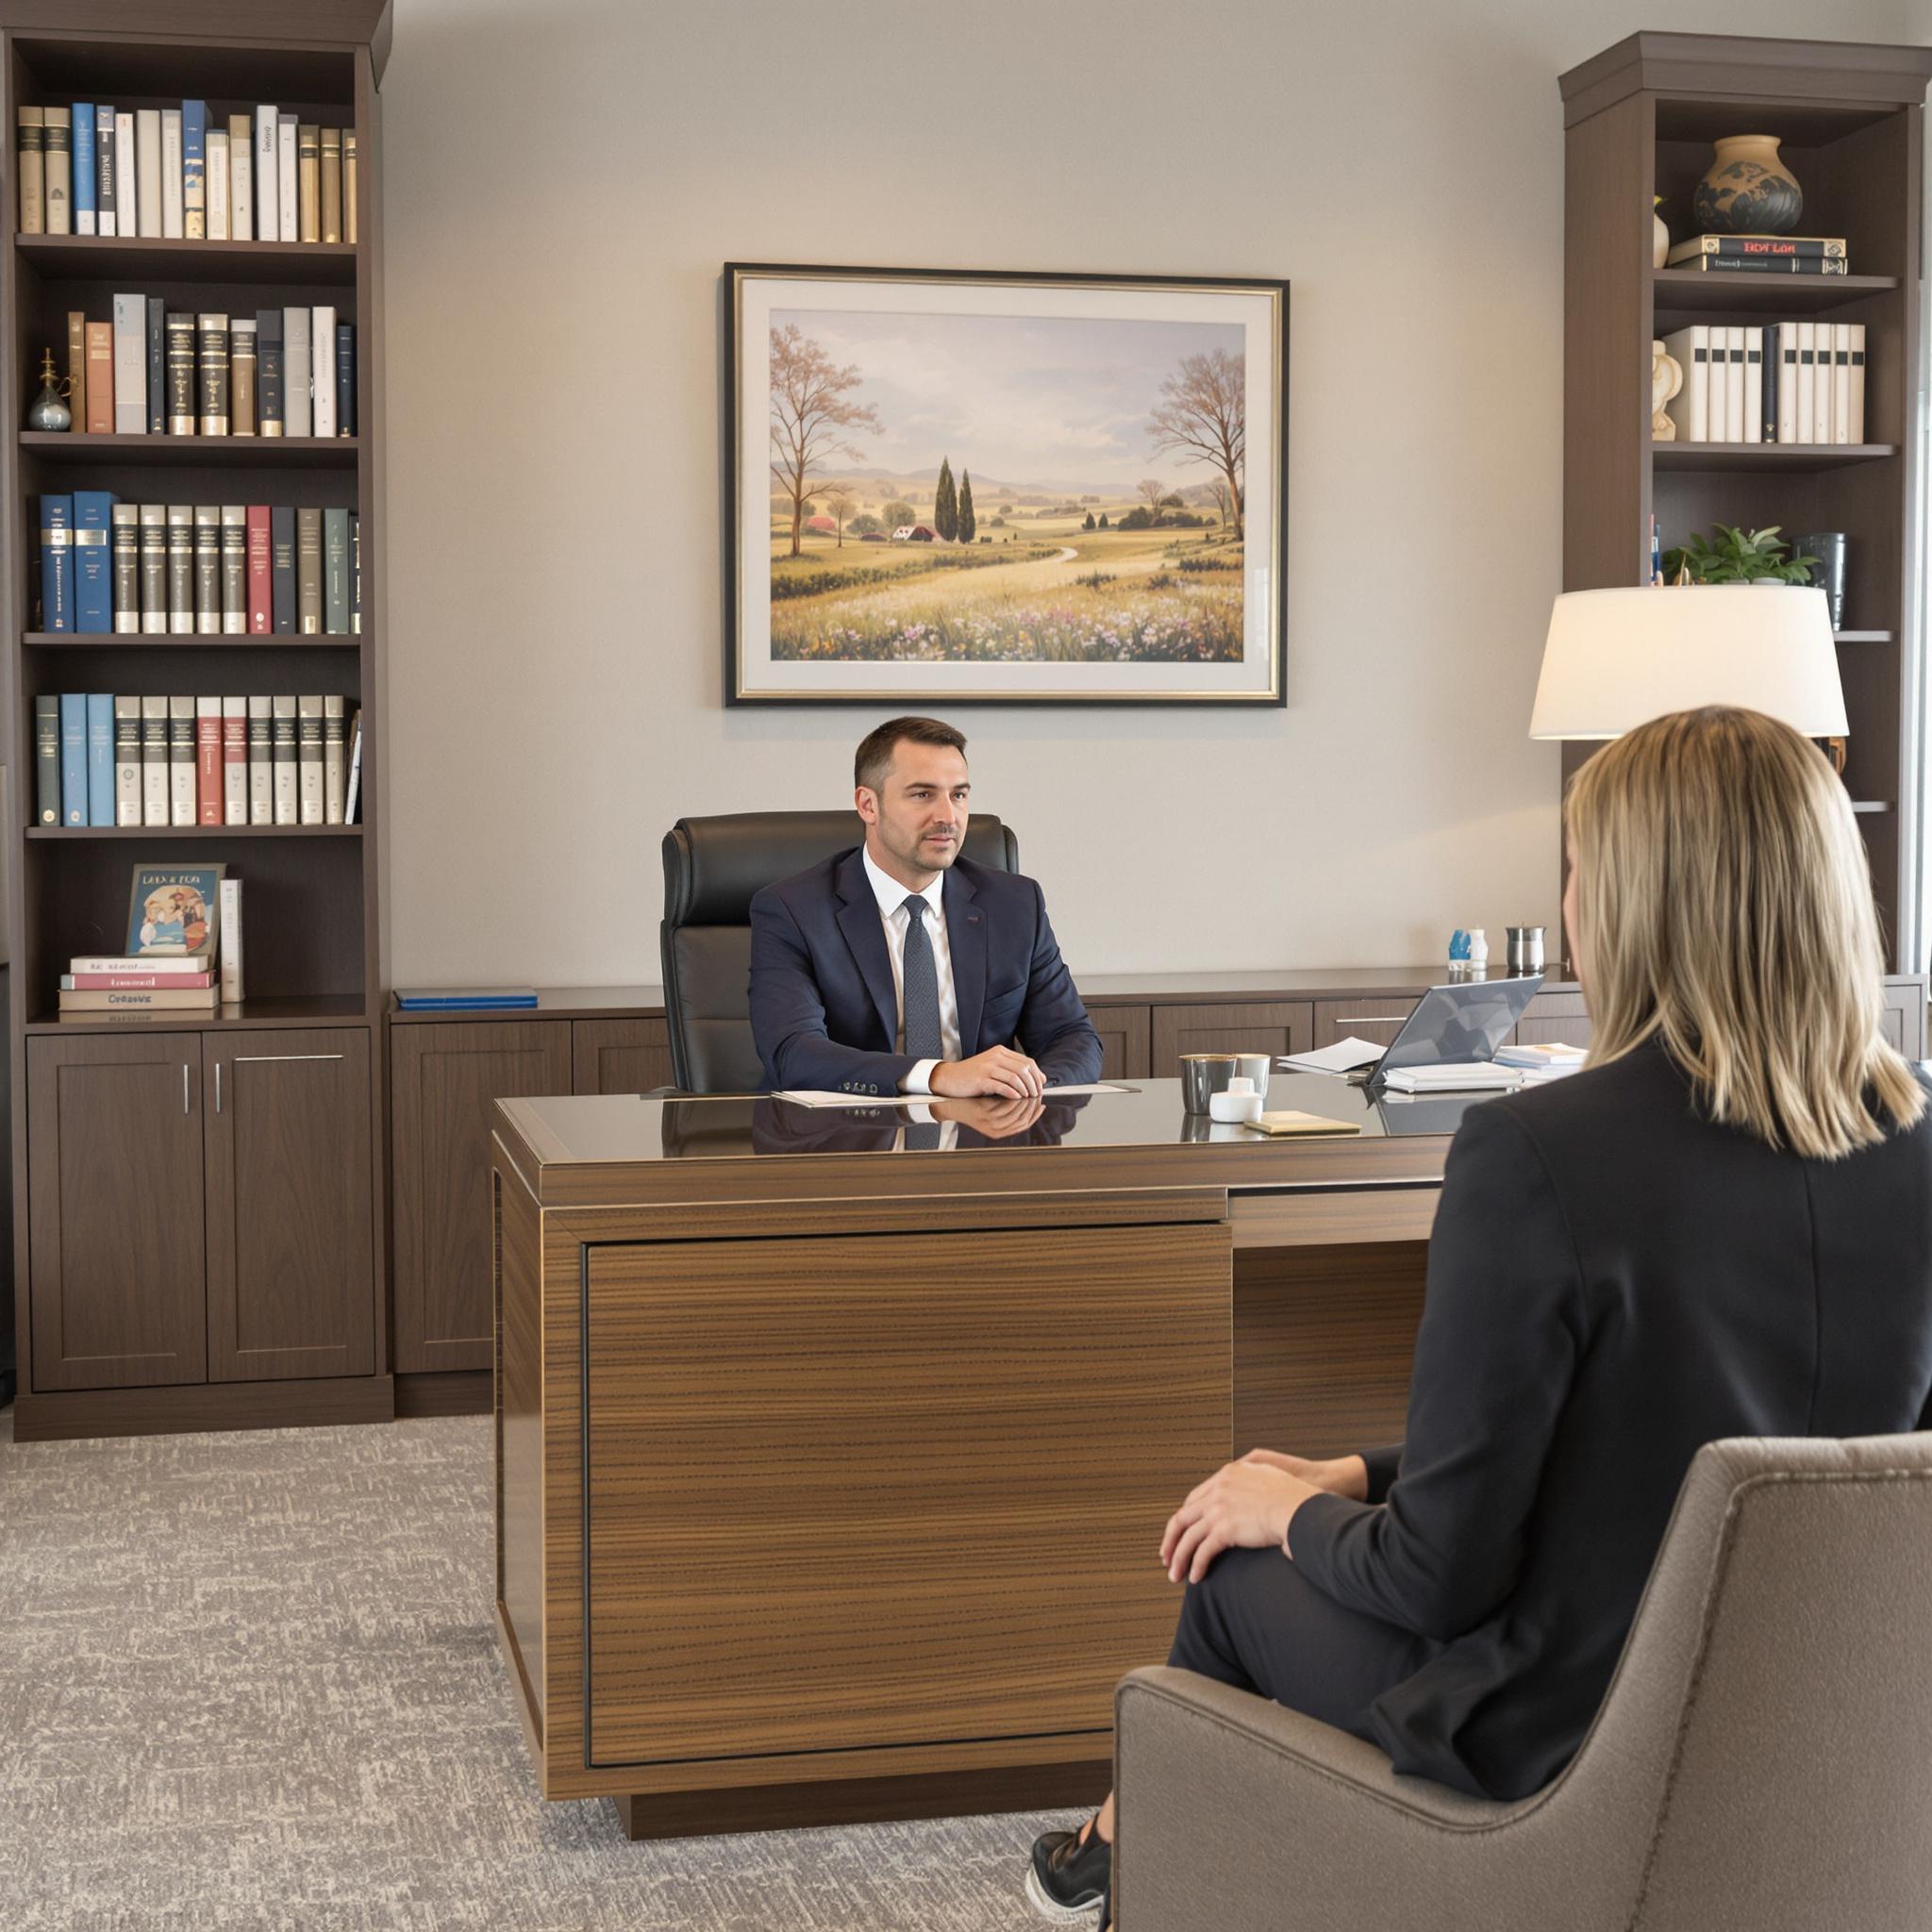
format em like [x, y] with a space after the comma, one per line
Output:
[712, 867]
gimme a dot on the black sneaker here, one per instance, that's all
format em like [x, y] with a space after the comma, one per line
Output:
[1069, 1878]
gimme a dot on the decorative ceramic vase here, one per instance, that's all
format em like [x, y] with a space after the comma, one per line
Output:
[1747, 190]
[49, 409]
[1666, 379]
[1659, 235]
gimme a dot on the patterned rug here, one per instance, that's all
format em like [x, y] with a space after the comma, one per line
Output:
[250, 1680]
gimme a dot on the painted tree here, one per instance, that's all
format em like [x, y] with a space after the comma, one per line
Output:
[945, 503]
[841, 503]
[1152, 489]
[812, 414]
[897, 514]
[968, 522]
[1202, 418]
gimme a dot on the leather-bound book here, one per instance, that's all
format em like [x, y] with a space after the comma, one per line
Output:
[309, 571]
[345, 378]
[242, 372]
[348, 184]
[60, 170]
[267, 370]
[154, 761]
[240, 178]
[234, 570]
[154, 338]
[181, 800]
[30, 165]
[209, 782]
[281, 521]
[154, 569]
[330, 170]
[335, 572]
[308, 762]
[100, 379]
[261, 764]
[260, 561]
[213, 332]
[180, 568]
[207, 569]
[308, 185]
[286, 768]
[126, 553]
[183, 417]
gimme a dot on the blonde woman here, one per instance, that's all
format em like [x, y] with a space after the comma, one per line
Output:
[1721, 1226]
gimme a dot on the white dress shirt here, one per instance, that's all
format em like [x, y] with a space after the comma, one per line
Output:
[892, 896]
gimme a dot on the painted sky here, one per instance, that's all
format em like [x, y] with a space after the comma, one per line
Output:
[1057, 402]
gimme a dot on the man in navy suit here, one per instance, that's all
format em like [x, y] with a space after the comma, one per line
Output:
[899, 967]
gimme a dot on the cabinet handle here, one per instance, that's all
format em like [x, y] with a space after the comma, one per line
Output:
[1367, 1020]
[256, 1057]
[218, 1086]
[184, 1087]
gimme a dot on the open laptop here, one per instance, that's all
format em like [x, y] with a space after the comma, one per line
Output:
[1467, 1020]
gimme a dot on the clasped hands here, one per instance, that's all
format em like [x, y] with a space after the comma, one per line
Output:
[1249, 1505]
[999, 1072]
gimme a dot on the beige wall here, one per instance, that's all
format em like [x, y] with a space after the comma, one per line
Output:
[565, 177]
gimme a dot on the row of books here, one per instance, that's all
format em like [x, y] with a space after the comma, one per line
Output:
[212, 568]
[1782, 254]
[102, 759]
[1783, 382]
[184, 947]
[154, 370]
[90, 169]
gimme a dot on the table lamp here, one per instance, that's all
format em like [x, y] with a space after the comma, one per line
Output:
[1613, 659]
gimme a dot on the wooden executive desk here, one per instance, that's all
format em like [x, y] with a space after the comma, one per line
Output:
[830, 1472]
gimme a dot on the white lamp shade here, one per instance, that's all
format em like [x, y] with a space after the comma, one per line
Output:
[1614, 660]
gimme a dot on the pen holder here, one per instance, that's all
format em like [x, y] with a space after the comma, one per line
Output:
[1204, 1075]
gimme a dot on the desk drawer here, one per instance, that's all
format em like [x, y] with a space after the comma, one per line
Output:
[1272, 1026]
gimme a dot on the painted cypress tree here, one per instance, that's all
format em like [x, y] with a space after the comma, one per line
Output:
[967, 523]
[945, 503]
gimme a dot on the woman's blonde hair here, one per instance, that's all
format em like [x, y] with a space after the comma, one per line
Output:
[1724, 905]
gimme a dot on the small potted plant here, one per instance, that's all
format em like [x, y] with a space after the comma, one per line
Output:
[1736, 557]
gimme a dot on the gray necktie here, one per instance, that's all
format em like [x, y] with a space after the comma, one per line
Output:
[922, 986]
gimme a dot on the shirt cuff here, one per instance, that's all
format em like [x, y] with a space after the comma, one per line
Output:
[919, 1078]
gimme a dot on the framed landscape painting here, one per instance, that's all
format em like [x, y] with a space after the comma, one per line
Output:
[962, 487]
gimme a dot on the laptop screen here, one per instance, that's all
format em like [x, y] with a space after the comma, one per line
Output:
[1466, 1021]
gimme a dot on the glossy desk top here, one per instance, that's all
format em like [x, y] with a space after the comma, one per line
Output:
[1139, 1137]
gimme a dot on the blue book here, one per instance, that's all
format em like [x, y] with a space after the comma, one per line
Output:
[100, 758]
[448, 998]
[83, 159]
[73, 757]
[94, 561]
[57, 563]
[194, 169]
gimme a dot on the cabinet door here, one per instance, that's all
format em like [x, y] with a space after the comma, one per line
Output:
[290, 1234]
[1904, 1016]
[620, 1056]
[1555, 1019]
[443, 1077]
[1124, 1040]
[114, 1202]
[1274, 1026]
[1377, 1021]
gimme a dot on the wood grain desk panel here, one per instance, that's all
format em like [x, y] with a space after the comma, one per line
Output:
[851, 1491]
[1325, 1220]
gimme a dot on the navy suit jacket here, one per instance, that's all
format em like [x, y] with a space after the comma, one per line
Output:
[823, 1007]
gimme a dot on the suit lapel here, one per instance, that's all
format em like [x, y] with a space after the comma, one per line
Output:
[966, 941]
[858, 920]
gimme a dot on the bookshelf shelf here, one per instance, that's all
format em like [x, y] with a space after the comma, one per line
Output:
[1695, 291]
[202, 452]
[161, 834]
[314, 910]
[323, 1009]
[1639, 120]
[103, 257]
[188, 641]
[1768, 455]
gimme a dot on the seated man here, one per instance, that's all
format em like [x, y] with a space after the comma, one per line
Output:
[899, 967]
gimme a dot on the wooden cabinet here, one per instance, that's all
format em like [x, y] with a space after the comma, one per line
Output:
[1555, 1019]
[442, 1078]
[115, 1249]
[619, 1056]
[1269, 1026]
[201, 1207]
[1904, 1016]
[1375, 1020]
[290, 1231]
[1124, 1040]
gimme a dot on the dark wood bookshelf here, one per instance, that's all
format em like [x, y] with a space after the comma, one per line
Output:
[1640, 121]
[94, 257]
[314, 896]
[213, 451]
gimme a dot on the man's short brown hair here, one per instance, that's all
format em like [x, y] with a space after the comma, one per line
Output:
[873, 758]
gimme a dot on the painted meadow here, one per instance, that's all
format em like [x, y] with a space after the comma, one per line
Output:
[986, 489]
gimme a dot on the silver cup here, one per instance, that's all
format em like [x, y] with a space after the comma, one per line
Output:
[1204, 1074]
[1525, 948]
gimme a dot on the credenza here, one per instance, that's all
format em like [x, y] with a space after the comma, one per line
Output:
[446, 1068]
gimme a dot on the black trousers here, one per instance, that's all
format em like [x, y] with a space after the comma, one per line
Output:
[1257, 1623]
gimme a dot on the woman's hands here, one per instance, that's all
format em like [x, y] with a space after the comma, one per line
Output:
[1249, 1505]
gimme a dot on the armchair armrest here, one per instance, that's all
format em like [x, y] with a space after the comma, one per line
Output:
[1238, 1814]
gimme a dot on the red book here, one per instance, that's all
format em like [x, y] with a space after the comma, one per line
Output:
[235, 760]
[207, 760]
[260, 583]
[131, 982]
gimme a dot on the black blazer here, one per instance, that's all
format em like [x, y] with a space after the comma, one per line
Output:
[1613, 1282]
[824, 1011]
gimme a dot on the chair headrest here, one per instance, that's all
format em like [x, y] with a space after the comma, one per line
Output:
[713, 866]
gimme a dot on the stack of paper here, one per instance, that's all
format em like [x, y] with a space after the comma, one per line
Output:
[1342, 1057]
[1453, 1076]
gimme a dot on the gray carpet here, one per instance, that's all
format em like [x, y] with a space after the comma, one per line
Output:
[250, 1680]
